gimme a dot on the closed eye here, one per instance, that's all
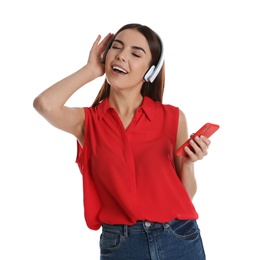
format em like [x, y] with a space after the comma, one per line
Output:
[136, 55]
[115, 47]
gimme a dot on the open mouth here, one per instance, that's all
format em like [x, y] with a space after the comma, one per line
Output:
[119, 70]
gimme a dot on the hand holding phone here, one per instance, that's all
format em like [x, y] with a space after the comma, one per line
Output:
[207, 130]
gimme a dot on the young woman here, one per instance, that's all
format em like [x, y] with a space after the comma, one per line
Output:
[135, 188]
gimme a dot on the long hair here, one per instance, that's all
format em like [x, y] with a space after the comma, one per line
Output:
[153, 90]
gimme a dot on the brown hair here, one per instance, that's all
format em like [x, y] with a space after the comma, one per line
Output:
[153, 90]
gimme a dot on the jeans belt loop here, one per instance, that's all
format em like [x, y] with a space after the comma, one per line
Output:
[125, 230]
[166, 226]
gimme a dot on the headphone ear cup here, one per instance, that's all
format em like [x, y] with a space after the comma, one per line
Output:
[103, 58]
[149, 73]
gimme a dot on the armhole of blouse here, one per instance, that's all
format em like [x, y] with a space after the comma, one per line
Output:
[178, 115]
[80, 149]
[177, 125]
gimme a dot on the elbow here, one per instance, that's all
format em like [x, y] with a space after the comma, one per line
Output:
[37, 104]
[40, 105]
[192, 193]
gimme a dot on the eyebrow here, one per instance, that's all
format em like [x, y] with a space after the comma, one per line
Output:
[133, 47]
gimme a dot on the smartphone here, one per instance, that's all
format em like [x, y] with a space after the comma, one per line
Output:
[207, 130]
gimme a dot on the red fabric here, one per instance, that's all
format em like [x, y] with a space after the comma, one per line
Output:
[129, 175]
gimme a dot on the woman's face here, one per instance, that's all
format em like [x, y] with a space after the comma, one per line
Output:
[128, 60]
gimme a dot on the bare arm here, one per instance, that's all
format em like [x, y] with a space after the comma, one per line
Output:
[51, 102]
[185, 165]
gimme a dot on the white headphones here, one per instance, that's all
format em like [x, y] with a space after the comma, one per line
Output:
[153, 71]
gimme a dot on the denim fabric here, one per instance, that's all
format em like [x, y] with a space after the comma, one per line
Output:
[175, 240]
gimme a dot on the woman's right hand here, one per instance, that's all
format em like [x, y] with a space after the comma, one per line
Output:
[51, 102]
[95, 55]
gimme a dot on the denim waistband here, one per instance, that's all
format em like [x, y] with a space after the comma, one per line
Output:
[139, 226]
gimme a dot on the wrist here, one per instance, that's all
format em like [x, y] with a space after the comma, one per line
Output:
[187, 163]
[88, 73]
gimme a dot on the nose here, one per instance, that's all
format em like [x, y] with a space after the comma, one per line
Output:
[122, 55]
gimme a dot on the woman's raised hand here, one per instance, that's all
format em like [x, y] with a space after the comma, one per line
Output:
[96, 53]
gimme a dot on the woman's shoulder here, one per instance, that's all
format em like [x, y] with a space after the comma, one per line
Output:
[162, 110]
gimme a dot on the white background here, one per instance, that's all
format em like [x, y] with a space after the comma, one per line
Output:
[216, 66]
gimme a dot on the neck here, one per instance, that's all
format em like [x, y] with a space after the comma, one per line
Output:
[125, 104]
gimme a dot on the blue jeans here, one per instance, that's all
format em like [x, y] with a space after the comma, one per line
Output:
[175, 240]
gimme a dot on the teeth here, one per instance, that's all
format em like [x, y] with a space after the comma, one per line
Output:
[120, 69]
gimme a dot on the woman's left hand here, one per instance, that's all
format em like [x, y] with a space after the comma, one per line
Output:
[200, 145]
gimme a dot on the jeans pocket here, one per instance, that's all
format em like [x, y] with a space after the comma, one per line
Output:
[184, 229]
[110, 240]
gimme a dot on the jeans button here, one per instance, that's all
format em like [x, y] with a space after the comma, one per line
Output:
[147, 223]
